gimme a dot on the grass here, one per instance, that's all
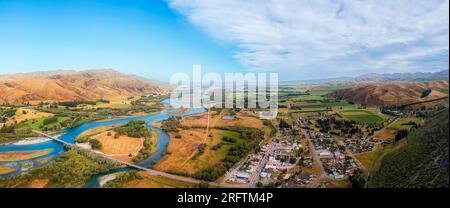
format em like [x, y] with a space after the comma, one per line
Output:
[121, 147]
[361, 116]
[315, 95]
[115, 145]
[402, 123]
[388, 133]
[316, 103]
[95, 131]
[180, 157]
[311, 97]
[421, 163]
[117, 102]
[210, 157]
[38, 124]
[143, 180]
[287, 118]
[24, 114]
[368, 159]
[328, 89]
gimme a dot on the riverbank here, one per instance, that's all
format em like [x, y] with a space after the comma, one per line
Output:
[6, 170]
[23, 155]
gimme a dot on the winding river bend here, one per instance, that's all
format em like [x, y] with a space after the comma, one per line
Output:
[70, 135]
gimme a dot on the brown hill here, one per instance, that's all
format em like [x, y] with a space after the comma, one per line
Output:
[385, 94]
[72, 85]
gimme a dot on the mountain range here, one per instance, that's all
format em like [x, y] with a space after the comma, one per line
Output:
[416, 76]
[386, 77]
[73, 85]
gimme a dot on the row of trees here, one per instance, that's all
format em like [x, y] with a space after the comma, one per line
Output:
[76, 103]
[200, 150]
[145, 152]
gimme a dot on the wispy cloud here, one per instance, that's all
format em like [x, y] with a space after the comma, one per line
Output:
[317, 38]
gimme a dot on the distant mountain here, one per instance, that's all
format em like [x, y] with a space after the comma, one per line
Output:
[422, 163]
[375, 77]
[72, 85]
[395, 93]
[417, 76]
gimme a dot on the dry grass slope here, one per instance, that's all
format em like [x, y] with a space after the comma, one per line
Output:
[71, 85]
[381, 94]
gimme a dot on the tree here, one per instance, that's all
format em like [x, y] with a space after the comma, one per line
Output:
[50, 120]
[259, 184]
[135, 129]
[401, 134]
[284, 125]
[357, 180]
[95, 144]
[203, 185]
[171, 124]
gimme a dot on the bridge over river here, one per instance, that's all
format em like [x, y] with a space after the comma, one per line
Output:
[146, 170]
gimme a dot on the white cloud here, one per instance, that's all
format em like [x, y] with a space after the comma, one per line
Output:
[328, 36]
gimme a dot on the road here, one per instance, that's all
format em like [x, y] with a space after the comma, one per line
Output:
[314, 155]
[254, 178]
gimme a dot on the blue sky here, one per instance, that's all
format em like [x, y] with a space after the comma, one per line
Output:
[156, 38]
[133, 36]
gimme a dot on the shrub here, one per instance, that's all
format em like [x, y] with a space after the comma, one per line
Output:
[171, 124]
[229, 139]
[95, 144]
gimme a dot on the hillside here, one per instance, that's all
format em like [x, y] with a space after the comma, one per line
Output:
[397, 93]
[422, 162]
[72, 85]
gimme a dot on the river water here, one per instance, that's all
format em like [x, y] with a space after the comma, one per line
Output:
[70, 135]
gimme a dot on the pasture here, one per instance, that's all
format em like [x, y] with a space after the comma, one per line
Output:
[361, 116]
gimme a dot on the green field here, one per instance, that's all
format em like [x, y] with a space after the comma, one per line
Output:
[314, 103]
[361, 116]
[38, 124]
[328, 89]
